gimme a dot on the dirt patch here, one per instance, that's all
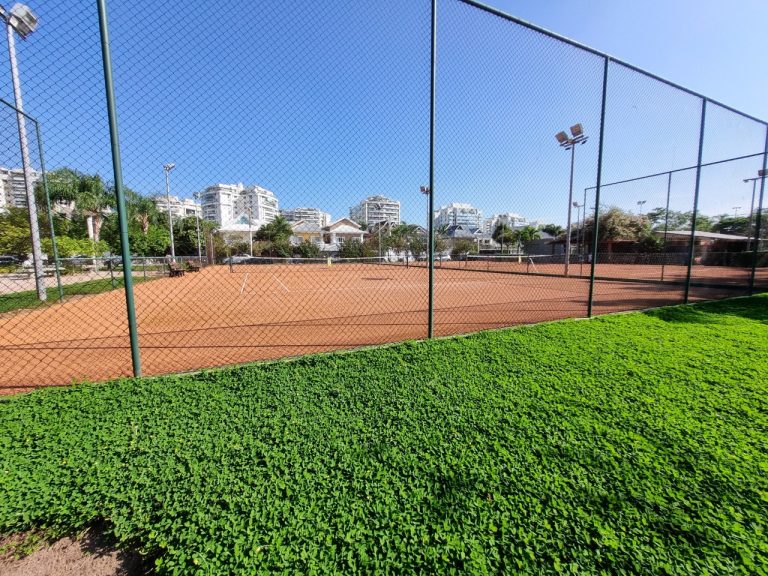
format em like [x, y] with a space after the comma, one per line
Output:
[86, 555]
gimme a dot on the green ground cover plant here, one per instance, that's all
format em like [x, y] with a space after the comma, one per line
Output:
[28, 298]
[627, 444]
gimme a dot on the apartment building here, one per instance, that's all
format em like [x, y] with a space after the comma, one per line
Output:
[235, 204]
[13, 191]
[180, 207]
[376, 209]
[307, 215]
[458, 214]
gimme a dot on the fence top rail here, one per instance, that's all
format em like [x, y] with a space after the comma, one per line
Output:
[665, 172]
[574, 43]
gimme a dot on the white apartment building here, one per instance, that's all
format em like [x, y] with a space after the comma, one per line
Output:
[307, 215]
[218, 202]
[13, 191]
[458, 214]
[376, 209]
[511, 219]
[180, 207]
[231, 206]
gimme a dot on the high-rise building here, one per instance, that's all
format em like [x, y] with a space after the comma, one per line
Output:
[308, 215]
[458, 214]
[13, 191]
[180, 207]
[228, 204]
[509, 218]
[218, 202]
[376, 209]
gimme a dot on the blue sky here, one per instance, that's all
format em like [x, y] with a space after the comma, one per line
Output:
[326, 103]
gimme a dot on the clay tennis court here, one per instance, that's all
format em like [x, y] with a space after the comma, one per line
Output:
[219, 317]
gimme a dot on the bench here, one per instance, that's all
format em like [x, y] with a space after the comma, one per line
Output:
[174, 270]
[193, 266]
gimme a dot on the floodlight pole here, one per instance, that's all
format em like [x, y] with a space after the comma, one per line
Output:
[37, 251]
[167, 168]
[196, 196]
[760, 176]
[570, 144]
[378, 207]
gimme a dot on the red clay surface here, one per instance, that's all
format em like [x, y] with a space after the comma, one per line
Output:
[218, 318]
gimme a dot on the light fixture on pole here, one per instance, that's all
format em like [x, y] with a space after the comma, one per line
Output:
[736, 211]
[426, 191]
[23, 21]
[577, 137]
[168, 168]
[641, 203]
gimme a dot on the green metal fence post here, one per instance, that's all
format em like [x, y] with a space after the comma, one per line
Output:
[119, 190]
[430, 223]
[758, 219]
[692, 247]
[666, 224]
[595, 227]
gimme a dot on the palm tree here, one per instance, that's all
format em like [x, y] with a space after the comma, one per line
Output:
[400, 237]
[527, 234]
[93, 200]
[503, 233]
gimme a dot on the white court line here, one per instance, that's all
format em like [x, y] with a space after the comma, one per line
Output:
[281, 284]
[244, 281]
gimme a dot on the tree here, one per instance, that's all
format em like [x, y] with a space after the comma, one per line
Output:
[14, 232]
[418, 248]
[676, 220]
[463, 246]
[616, 224]
[400, 237]
[527, 234]
[354, 249]
[736, 225]
[277, 230]
[503, 234]
[307, 249]
[553, 229]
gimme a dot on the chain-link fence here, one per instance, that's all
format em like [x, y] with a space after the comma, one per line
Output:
[301, 177]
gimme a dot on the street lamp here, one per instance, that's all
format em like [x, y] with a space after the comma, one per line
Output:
[736, 211]
[23, 21]
[578, 137]
[168, 168]
[641, 203]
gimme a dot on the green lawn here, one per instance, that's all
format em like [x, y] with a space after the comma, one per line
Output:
[28, 298]
[627, 444]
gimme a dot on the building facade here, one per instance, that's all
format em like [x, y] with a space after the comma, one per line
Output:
[458, 214]
[376, 209]
[180, 207]
[307, 215]
[13, 191]
[511, 219]
[234, 205]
